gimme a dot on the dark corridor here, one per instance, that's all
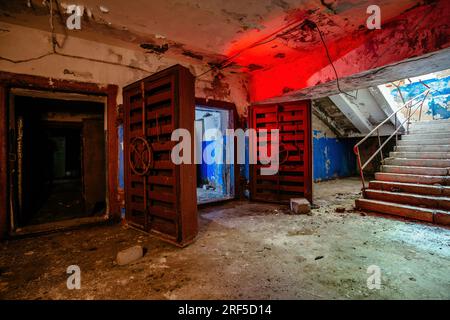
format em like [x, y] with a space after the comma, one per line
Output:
[53, 139]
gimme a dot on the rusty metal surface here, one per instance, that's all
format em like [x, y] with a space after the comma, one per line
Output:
[158, 198]
[13, 80]
[141, 156]
[94, 159]
[20, 163]
[294, 178]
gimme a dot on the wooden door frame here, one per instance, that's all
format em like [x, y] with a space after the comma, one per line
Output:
[10, 80]
[231, 107]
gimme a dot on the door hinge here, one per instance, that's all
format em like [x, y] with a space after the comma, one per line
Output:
[12, 157]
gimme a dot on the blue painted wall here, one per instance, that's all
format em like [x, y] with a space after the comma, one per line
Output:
[213, 173]
[121, 170]
[332, 157]
[245, 169]
[121, 179]
[437, 102]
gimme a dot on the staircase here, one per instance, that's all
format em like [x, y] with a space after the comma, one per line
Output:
[414, 181]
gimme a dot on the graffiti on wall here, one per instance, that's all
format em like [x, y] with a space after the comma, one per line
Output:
[437, 105]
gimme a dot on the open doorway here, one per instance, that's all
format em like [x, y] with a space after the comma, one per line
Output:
[215, 178]
[60, 166]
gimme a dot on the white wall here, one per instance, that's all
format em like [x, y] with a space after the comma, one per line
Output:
[22, 43]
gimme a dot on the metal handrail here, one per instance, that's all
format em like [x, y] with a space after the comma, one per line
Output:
[408, 105]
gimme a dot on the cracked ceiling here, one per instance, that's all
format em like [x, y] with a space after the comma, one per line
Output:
[289, 55]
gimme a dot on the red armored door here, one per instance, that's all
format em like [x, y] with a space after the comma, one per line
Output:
[160, 196]
[294, 176]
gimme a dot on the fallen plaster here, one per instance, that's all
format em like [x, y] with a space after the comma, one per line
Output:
[244, 251]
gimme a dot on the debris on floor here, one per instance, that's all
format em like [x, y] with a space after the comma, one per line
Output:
[244, 251]
[129, 255]
[300, 206]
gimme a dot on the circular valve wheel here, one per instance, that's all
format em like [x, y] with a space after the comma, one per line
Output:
[283, 154]
[141, 156]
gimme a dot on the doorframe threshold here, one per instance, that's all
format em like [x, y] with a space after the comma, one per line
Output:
[215, 201]
[58, 226]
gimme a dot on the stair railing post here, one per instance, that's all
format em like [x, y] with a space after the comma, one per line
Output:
[361, 172]
[379, 146]
[395, 129]
[401, 124]
[421, 104]
[420, 112]
[408, 121]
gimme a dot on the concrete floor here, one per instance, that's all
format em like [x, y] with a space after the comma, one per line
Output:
[243, 251]
[205, 196]
[63, 201]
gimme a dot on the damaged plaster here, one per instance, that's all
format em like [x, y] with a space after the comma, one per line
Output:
[106, 64]
[227, 28]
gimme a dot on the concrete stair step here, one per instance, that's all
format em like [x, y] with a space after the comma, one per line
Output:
[428, 123]
[414, 181]
[424, 189]
[404, 210]
[415, 170]
[437, 163]
[418, 200]
[412, 178]
[435, 129]
[408, 142]
[427, 136]
[418, 148]
[420, 155]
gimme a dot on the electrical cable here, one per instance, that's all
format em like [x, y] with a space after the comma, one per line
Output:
[56, 53]
[269, 38]
[330, 61]
[275, 35]
[220, 66]
[56, 44]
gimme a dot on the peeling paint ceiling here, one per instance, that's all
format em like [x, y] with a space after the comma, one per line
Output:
[206, 29]
[250, 35]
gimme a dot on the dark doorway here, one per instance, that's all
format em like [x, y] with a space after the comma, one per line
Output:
[60, 166]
